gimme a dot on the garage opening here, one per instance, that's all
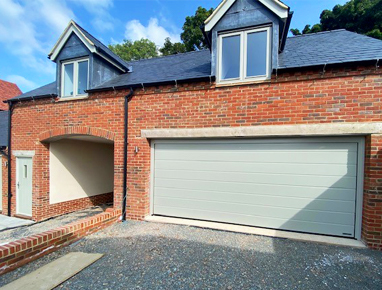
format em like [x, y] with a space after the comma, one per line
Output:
[309, 185]
[81, 167]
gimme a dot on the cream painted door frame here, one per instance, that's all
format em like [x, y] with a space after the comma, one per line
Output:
[24, 186]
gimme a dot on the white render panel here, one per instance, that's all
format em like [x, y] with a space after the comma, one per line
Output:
[305, 186]
[80, 169]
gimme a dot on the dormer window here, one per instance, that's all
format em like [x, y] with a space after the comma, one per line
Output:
[75, 78]
[244, 55]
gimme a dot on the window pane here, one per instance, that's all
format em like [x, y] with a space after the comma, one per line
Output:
[230, 57]
[82, 77]
[68, 79]
[257, 54]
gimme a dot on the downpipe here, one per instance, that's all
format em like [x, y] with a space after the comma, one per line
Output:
[125, 155]
[9, 158]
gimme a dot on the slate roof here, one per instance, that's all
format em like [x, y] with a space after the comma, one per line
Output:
[184, 66]
[4, 128]
[7, 90]
[330, 47]
[47, 90]
[100, 46]
[338, 46]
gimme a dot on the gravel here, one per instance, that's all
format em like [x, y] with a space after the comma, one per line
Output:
[9, 235]
[142, 255]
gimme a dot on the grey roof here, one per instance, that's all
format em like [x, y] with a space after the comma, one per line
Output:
[184, 66]
[3, 128]
[100, 46]
[338, 46]
[47, 90]
[330, 47]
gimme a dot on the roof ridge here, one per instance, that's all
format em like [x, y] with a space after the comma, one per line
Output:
[320, 32]
[167, 56]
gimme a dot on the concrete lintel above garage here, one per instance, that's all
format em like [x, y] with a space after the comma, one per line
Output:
[332, 129]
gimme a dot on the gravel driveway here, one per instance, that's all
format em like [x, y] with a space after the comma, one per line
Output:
[142, 255]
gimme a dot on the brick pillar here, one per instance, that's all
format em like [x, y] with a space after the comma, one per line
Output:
[372, 200]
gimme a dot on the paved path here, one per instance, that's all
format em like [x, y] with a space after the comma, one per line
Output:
[142, 255]
[7, 222]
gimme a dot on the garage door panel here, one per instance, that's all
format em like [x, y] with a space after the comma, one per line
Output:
[332, 157]
[266, 222]
[307, 169]
[293, 191]
[259, 178]
[258, 199]
[307, 186]
[270, 211]
[260, 146]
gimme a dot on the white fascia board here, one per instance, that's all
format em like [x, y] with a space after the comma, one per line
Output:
[280, 9]
[277, 7]
[72, 28]
[218, 14]
[112, 62]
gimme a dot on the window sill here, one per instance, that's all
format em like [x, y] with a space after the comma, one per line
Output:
[68, 99]
[241, 83]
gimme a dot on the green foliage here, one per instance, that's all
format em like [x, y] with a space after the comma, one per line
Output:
[361, 16]
[315, 28]
[172, 48]
[139, 49]
[192, 35]
[295, 31]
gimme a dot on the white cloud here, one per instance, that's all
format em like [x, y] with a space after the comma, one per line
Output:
[102, 20]
[26, 30]
[153, 31]
[29, 28]
[21, 82]
[55, 13]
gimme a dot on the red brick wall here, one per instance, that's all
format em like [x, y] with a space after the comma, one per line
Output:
[25, 250]
[372, 199]
[34, 122]
[350, 94]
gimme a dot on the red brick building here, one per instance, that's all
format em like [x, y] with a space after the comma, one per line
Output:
[260, 130]
[7, 90]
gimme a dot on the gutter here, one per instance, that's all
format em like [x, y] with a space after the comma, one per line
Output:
[148, 84]
[32, 98]
[128, 97]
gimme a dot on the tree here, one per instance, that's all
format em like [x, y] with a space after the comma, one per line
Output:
[192, 38]
[172, 48]
[295, 31]
[139, 49]
[361, 16]
[192, 35]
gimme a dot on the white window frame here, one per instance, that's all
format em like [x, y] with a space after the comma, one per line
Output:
[243, 56]
[75, 77]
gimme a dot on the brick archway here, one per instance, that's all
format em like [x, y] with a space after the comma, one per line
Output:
[42, 180]
[76, 130]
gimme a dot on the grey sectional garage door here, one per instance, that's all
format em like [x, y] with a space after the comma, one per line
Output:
[298, 185]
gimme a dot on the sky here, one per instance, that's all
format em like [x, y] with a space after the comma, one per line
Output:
[30, 28]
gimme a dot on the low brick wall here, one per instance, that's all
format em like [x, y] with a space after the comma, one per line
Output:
[23, 251]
